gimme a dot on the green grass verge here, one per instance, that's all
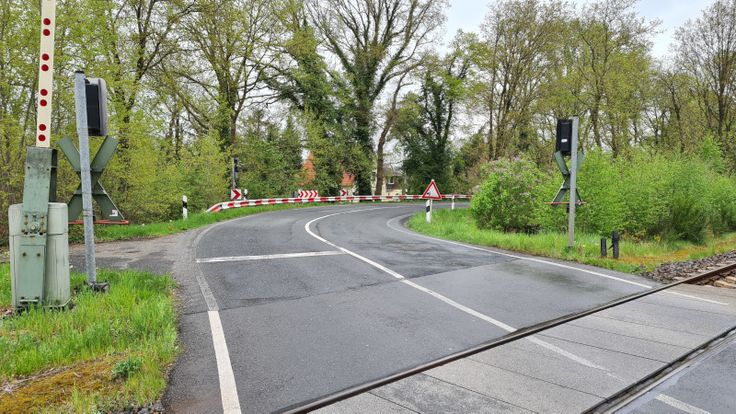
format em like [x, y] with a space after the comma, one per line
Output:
[110, 350]
[635, 257]
[195, 220]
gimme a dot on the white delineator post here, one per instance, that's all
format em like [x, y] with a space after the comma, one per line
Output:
[429, 211]
[184, 207]
[45, 73]
[453, 202]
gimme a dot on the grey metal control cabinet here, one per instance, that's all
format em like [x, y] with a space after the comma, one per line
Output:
[56, 292]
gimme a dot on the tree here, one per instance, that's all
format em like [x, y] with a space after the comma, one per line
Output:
[428, 119]
[384, 137]
[271, 156]
[706, 50]
[226, 45]
[302, 79]
[514, 57]
[610, 60]
[124, 41]
[18, 80]
[373, 42]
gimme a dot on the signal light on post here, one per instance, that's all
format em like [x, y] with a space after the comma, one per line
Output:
[96, 93]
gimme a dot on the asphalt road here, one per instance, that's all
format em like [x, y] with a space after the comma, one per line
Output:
[287, 306]
[315, 300]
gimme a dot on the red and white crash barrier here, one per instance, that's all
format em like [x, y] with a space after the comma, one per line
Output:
[272, 201]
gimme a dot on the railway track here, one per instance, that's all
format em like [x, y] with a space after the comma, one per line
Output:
[719, 275]
[716, 272]
[678, 271]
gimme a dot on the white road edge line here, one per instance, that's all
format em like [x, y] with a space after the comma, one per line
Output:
[226, 377]
[449, 301]
[228, 390]
[267, 257]
[697, 298]
[680, 405]
[488, 249]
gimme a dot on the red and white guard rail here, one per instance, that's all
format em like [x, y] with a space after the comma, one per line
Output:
[271, 201]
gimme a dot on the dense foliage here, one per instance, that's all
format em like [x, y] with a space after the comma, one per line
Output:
[510, 195]
[356, 83]
[661, 197]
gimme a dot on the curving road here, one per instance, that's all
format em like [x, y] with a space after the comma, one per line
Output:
[288, 306]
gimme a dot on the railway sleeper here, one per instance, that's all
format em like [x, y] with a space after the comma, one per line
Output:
[727, 282]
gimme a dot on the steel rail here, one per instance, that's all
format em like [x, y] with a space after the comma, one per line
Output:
[522, 333]
[652, 381]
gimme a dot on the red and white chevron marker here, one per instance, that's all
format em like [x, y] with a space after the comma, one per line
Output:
[343, 193]
[271, 201]
[236, 194]
[45, 73]
[308, 193]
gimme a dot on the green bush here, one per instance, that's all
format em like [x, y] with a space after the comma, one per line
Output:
[510, 195]
[722, 198]
[599, 185]
[670, 196]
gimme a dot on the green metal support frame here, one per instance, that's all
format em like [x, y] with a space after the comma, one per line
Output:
[39, 189]
[565, 187]
[105, 153]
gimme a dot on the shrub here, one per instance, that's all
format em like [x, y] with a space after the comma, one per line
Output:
[722, 198]
[510, 195]
[599, 185]
[671, 197]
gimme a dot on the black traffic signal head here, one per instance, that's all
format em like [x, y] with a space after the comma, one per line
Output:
[563, 142]
[96, 93]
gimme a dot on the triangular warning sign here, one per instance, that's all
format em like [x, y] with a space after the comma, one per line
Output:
[432, 193]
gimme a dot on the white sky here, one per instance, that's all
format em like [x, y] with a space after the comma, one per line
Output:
[469, 14]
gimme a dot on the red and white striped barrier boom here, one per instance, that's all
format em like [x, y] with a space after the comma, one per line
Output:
[272, 201]
[45, 74]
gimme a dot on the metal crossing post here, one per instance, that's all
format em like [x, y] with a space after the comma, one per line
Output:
[567, 144]
[573, 184]
[89, 233]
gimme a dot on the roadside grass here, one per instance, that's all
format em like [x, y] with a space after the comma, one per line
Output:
[635, 257]
[112, 232]
[107, 351]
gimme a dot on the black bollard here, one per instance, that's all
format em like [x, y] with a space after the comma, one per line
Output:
[614, 243]
[604, 249]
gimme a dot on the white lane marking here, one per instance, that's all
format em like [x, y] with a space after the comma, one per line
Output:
[531, 259]
[229, 392]
[696, 298]
[449, 301]
[228, 389]
[267, 257]
[489, 250]
[459, 306]
[680, 405]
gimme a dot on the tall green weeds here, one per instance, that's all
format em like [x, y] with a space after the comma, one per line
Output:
[135, 320]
